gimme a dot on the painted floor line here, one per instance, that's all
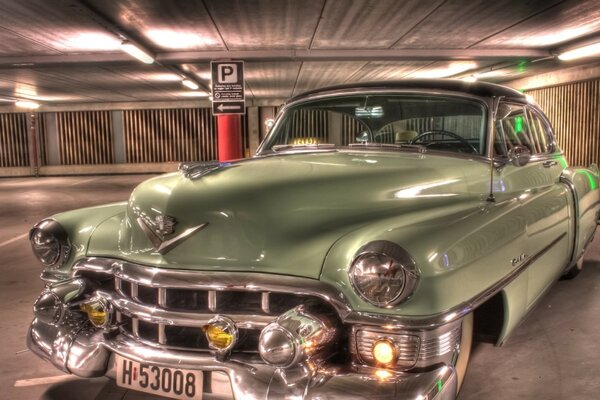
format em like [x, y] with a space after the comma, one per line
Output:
[84, 181]
[9, 241]
[44, 381]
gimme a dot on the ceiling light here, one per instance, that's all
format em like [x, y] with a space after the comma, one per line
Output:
[32, 105]
[136, 52]
[454, 68]
[580, 52]
[190, 84]
[470, 78]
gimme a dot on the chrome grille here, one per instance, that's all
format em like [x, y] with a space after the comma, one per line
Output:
[173, 317]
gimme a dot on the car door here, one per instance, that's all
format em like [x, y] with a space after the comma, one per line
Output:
[540, 199]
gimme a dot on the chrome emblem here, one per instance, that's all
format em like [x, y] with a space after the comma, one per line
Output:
[519, 259]
[163, 226]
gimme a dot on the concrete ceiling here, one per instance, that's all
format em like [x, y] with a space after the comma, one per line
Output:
[68, 51]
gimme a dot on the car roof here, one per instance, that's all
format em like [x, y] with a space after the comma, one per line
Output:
[481, 89]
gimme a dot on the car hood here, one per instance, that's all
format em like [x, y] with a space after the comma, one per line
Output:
[281, 214]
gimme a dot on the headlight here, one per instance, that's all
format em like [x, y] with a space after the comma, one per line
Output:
[50, 243]
[383, 273]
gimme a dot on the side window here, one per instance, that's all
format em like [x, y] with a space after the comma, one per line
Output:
[512, 129]
[540, 133]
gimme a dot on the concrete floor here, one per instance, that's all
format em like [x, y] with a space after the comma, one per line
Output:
[554, 354]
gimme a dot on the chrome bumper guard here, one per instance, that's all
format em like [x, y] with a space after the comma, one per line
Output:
[87, 352]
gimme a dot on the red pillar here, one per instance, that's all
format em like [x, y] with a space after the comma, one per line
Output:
[228, 128]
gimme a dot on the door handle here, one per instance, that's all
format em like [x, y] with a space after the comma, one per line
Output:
[549, 164]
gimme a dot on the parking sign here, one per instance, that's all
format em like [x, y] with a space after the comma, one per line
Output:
[228, 87]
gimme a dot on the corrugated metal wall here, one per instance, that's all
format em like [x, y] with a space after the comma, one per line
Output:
[574, 111]
[169, 135]
[14, 142]
[85, 137]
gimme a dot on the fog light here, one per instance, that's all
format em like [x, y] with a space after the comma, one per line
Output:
[98, 311]
[276, 346]
[384, 351]
[221, 333]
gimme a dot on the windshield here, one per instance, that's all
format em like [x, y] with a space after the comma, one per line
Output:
[427, 122]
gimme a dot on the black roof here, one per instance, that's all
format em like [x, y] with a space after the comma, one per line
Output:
[483, 89]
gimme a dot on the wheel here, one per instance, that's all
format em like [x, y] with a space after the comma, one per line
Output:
[574, 270]
[444, 133]
[464, 352]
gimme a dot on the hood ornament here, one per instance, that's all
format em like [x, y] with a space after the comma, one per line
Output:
[195, 170]
[162, 226]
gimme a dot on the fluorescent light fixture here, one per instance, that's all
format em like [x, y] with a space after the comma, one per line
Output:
[31, 105]
[470, 78]
[136, 52]
[188, 83]
[581, 52]
[452, 69]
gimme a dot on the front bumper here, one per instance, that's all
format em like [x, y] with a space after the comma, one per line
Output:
[85, 352]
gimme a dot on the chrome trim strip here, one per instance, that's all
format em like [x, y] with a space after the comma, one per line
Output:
[264, 303]
[573, 257]
[162, 302]
[456, 312]
[158, 315]
[135, 327]
[134, 291]
[212, 300]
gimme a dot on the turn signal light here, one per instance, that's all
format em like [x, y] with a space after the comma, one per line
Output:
[221, 334]
[218, 337]
[98, 312]
[384, 351]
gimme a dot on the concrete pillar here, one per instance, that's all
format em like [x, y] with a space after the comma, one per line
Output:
[52, 147]
[118, 137]
[229, 135]
[253, 129]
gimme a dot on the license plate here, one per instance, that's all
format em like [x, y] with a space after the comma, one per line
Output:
[169, 382]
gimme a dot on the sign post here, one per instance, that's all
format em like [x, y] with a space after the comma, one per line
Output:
[228, 95]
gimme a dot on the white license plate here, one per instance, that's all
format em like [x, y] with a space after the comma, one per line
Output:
[169, 382]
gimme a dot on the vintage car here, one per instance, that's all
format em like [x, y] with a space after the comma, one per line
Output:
[379, 229]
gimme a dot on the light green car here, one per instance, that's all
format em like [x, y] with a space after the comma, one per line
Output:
[348, 259]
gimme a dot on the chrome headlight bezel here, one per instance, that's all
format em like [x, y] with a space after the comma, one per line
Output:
[401, 261]
[48, 235]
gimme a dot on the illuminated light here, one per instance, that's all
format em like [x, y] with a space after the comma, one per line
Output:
[136, 52]
[190, 84]
[218, 337]
[454, 68]
[590, 50]
[521, 66]
[470, 78]
[384, 351]
[178, 40]
[93, 41]
[519, 124]
[97, 311]
[163, 77]
[30, 105]
[383, 374]
[420, 397]
[440, 385]
[496, 73]
[432, 257]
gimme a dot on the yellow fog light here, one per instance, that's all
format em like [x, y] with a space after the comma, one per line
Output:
[384, 351]
[98, 311]
[221, 333]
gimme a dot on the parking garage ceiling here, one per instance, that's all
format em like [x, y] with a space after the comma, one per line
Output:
[70, 51]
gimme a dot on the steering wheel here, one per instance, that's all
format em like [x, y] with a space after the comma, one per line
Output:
[444, 133]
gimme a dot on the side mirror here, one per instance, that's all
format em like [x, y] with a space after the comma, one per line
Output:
[519, 156]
